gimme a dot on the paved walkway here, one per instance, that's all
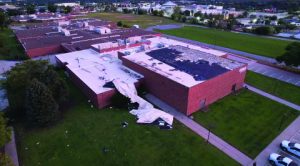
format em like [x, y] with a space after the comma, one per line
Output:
[11, 150]
[201, 131]
[272, 97]
[6, 65]
[276, 73]
[287, 134]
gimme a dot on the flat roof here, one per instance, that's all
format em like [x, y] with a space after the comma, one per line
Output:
[96, 70]
[186, 64]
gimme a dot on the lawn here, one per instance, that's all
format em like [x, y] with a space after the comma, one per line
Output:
[251, 44]
[143, 20]
[10, 49]
[276, 87]
[247, 120]
[87, 136]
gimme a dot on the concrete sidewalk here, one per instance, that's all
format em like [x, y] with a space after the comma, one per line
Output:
[201, 131]
[272, 97]
[11, 150]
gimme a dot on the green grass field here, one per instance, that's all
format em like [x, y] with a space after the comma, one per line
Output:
[10, 49]
[276, 87]
[79, 139]
[251, 44]
[143, 20]
[247, 121]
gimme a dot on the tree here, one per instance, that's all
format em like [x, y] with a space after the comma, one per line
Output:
[155, 12]
[30, 9]
[292, 55]
[41, 108]
[119, 23]
[187, 13]
[3, 20]
[198, 14]
[161, 13]
[56, 85]
[42, 10]
[52, 8]
[5, 132]
[20, 77]
[67, 9]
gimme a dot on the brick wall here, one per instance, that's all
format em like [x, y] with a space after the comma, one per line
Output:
[184, 99]
[162, 87]
[214, 89]
[44, 51]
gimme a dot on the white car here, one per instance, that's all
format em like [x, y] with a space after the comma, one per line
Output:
[278, 160]
[290, 147]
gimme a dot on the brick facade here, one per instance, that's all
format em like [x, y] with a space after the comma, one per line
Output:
[184, 99]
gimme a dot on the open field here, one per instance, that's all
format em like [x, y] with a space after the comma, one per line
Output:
[251, 44]
[10, 49]
[247, 120]
[131, 19]
[273, 86]
[87, 136]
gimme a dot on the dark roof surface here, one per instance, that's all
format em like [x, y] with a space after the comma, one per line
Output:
[200, 70]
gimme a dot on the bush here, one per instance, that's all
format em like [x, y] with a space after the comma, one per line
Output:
[265, 30]
[126, 26]
[5, 132]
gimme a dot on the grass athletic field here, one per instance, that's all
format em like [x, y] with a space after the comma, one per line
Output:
[247, 120]
[88, 136]
[251, 44]
[130, 19]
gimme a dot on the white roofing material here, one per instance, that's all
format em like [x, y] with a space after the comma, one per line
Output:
[146, 113]
[96, 69]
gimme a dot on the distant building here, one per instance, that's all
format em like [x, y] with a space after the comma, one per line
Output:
[269, 14]
[168, 8]
[70, 4]
[8, 7]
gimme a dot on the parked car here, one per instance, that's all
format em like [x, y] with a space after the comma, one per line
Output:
[278, 160]
[290, 147]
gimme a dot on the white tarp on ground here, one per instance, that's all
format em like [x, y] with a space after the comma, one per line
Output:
[146, 113]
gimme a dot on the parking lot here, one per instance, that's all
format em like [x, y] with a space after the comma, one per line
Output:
[294, 138]
[289, 77]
